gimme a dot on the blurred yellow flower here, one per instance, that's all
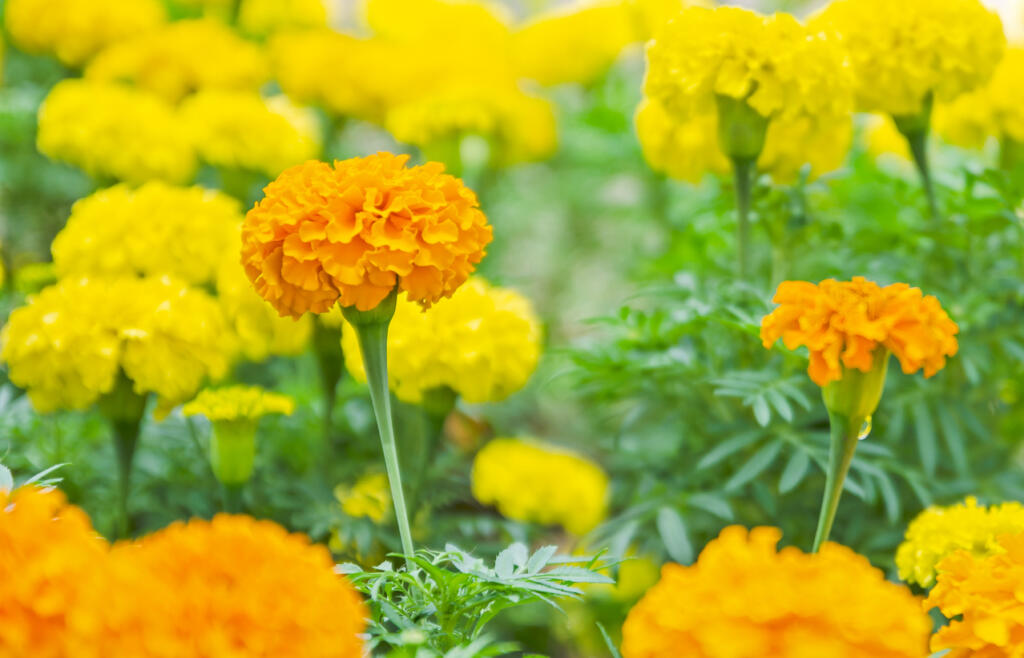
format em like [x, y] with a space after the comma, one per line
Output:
[183, 57]
[577, 43]
[882, 137]
[540, 483]
[241, 130]
[73, 30]
[265, 17]
[993, 110]
[483, 343]
[369, 497]
[519, 127]
[49, 550]
[939, 532]
[68, 344]
[745, 598]
[982, 596]
[903, 52]
[115, 132]
[237, 402]
[261, 332]
[156, 229]
[418, 21]
[649, 16]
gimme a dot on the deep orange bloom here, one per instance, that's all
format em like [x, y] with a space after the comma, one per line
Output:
[743, 598]
[842, 323]
[234, 586]
[47, 548]
[988, 591]
[350, 233]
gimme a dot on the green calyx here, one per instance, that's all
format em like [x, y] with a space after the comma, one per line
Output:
[741, 129]
[380, 314]
[856, 394]
[233, 450]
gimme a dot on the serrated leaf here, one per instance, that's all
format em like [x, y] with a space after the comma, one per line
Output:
[540, 559]
[761, 460]
[796, 469]
[515, 556]
[673, 534]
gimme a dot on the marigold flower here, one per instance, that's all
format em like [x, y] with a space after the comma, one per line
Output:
[156, 229]
[181, 58]
[575, 44]
[993, 110]
[350, 233]
[238, 403]
[483, 343]
[67, 346]
[938, 532]
[540, 483]
[233, 585]
[985, 592]
[241, 130]
[902, 52]
[842, 323]
[369, 497]
[745, 598]
[520, 127]
[884, 138]
[49, 549]
[265, 17]
[73, 30]
[115, 132]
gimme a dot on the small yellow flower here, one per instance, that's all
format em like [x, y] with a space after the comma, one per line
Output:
[369, 497]
[939, 532]
[993, 110]
[483, 343]
[238, 403]
[114, 132]
[538, 483]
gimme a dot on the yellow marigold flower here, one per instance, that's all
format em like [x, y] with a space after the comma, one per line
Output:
[114, 132]
[650, 15]
[430, 20]
[939, 532]
[842, 323]
[520, 127]
[350, 233]
[48, 550]
[994, 110]
[902, 52]
[157, 229]
[261, 332]
[183, 57]
[233, 585]
[745, 598]
[483, 343]
[369, 497]
[241, 130]
[68, 344]
[884, 138]
[265, 17]
[73, 30]
[573, 44]
[539, 483]
[985, 592]
[238, 403]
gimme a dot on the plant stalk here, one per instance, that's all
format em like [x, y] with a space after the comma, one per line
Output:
[743, 172]
[844, 433]
[233, 498]
[126, 438]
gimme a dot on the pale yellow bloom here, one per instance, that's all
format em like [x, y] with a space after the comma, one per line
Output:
[369, 497]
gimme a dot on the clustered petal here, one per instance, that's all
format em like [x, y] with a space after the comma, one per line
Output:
[68, 344]
[483, 343]
[350, 233]
[842, 323]
[156, 229]
[902, 52]
[745, 598]
[238, 403]
[939, 532]
[983, 595]
[539, 483]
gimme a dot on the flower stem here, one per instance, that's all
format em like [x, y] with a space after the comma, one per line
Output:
[743, 172]
[372, 331]
[126, 435]
[233, 498]
[326, 342]
[844, 435]
[916, 128]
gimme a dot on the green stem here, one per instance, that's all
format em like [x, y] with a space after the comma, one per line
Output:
[233, 498]
[326, 342]
[126, 436]
[918, 142]
[743, 172]
[844, 436]
[372, 331]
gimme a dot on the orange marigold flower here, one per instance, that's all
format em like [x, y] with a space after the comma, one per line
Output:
[987, 591]
[349, 233]
[233, 586]
[743, 598]
[843, 322]
[47, 548]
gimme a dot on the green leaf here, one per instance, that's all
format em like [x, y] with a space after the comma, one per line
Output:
[889, 497]
[927, 444]
[762, 413]
[727, 448]
[712, 504]
[513, 557]
[955, 441]
[795, 471]
[540, 559]
[761, 460]
[674, 536]
[608, 642]
[6, 479]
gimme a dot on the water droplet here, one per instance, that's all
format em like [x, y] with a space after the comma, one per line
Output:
[865, 429]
